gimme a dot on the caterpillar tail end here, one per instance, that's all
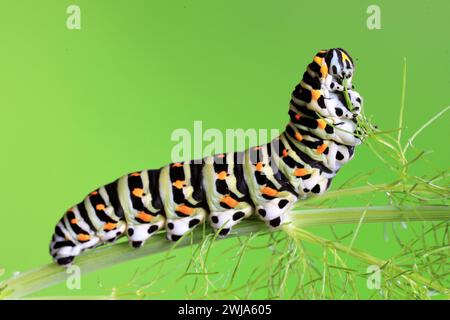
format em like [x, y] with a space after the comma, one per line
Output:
[66, 245]
[64, 249]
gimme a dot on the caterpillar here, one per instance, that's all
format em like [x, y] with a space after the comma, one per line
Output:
[229, 187]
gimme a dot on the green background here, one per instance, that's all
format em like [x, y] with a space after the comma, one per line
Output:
[82, 107]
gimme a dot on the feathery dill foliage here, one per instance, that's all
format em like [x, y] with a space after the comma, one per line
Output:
[255, 263]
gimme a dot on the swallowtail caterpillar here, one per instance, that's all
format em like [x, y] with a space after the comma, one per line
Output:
[226, 188]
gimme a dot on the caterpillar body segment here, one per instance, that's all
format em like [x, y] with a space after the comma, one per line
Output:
[226, 188]
[228, 196]
[182, 195]
[143, 209]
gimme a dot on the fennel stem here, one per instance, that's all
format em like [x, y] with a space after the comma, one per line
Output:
[45, 276]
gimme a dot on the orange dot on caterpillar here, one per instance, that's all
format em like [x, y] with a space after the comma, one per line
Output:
[109, 226]
[138, 192]
[300, 172]
[298, 136]
[100, 207]
[184, 209]
[83, 237]
[145, 216]
[222, 175]
[269, 191]
[229, 201]
[321, 123]
[179, 184]
[321, 149]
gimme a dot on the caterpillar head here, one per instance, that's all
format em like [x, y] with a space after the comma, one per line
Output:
[340, 64]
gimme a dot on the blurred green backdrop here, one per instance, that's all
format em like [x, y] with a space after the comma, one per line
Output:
[82, 107]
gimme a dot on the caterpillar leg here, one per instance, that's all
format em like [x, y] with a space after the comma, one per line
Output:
[273, 212]
[317, 184]
[356, 100]
[176, 228]
[332, 84]
[225, 220]
[139, 233]
[336, 107]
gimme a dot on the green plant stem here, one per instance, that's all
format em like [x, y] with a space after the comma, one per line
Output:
[316, 217]
[40, 278]
[336, 194]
